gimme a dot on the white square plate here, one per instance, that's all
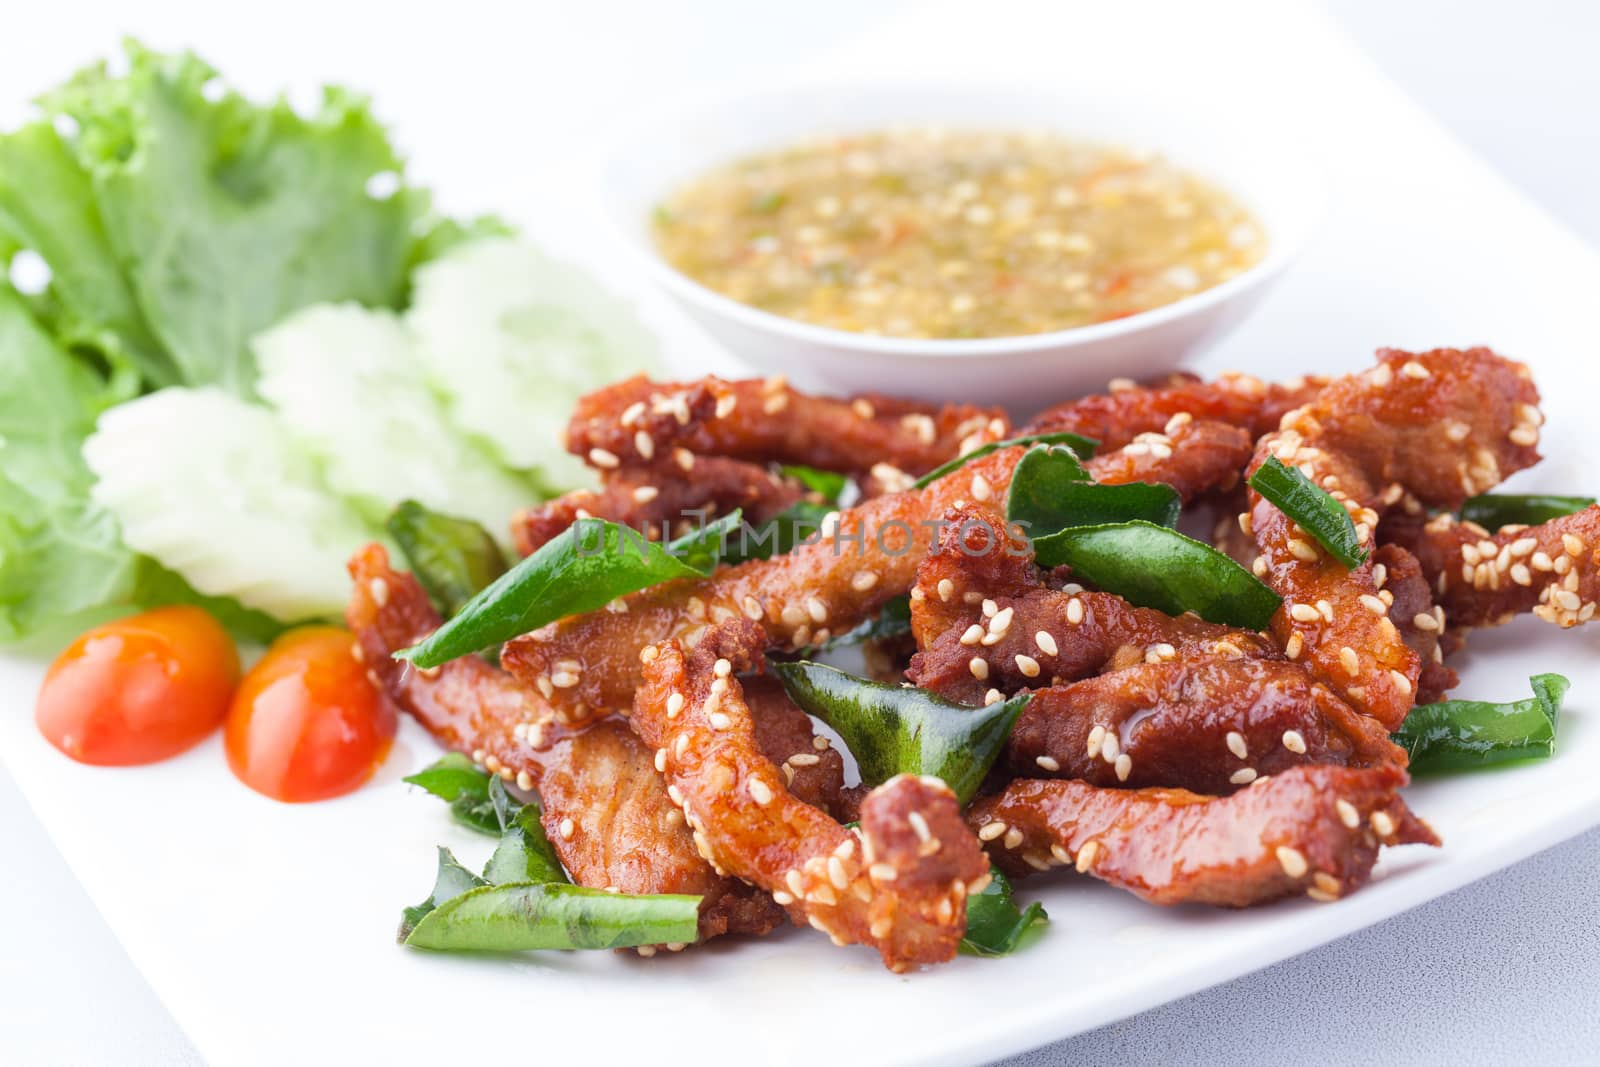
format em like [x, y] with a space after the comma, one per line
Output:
[268, 930]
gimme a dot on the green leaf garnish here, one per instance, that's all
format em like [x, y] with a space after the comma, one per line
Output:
[1494, 510]
[1459, 735]
[587, 566]
[778, 536]
[1051, 491]
[457, 781]
[453, 558]
[893, 729]
[1310, 506]
[1083, 446]
[830, 485]
[1155, 567]
[892, 620]
[523, 916]
[995, 925]
[524, 853]
[451, 881]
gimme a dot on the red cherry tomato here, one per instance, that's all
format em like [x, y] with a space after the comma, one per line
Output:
[139, 689]
[306, 723]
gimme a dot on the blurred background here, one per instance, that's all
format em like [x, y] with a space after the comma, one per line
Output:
[1516, 85]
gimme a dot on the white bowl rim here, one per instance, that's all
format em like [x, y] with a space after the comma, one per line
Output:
[1283, 248]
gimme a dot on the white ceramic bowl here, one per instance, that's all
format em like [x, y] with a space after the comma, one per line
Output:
[1284, 193]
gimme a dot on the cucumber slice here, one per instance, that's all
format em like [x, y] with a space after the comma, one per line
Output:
[214, 489]
[512, 339]
[348, 386]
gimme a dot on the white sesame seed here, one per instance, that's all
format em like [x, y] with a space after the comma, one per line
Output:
[1373, 604]
[602, 458]
[979, 667]
[816, 609]
[1086, 856]
[981, 490]
[1236, 744]
[1028, 665]
[804, 759]
[1294, 742]
[1074, 611]
[1243, 776]
[524, 780]
[1292, 647]
[1304, 613]
[1001, 621]
[1347, 813]
[1110, 746]
[1013, 838]
[1524, 435]
[1096, 736]
[565, 829]
[1302, 550]
[992, 697]
[973, 635]
[1046, 643]
[991, 830]
[1049, 763]
[1350, 661]
[1401, 682]
[863, 580]
[990, 608]
[1413, 369]
[1382, 824]
[1292, 860]
[378, 588]
[674, 704]
[946, 589]
[1124, 767]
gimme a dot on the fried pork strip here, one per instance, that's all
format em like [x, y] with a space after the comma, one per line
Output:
[1444, 424]
[898, 885]
[985, 622]
[864, 559]
[1194, 456]
[766, 421]
[661, 497]
[1397, 575]
[1127, 410]
[1484, 579]
[605, 809]
[1209, 724]
[1312, 829]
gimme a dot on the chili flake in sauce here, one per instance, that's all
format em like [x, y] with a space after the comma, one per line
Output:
[955, 234]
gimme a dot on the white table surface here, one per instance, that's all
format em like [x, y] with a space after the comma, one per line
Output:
[1505, 969]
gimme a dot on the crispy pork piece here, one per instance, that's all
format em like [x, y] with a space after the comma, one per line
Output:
[661, 499]
[865, 558]
[861, 561]
[811, 766]
[1119, 416]
[1443, 424]
[1194, 456]
[1312, 829]
[899, 884]
[1403, 587]
[605, 808]
[766, 421]
[986, 623]
[1484, 579]
[1206, 723]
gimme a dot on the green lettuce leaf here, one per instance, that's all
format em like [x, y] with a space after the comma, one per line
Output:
[225, 216]
[60, 554]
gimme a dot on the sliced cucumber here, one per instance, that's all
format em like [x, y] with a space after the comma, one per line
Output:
[513, 338]
[214, 489]
[347, 384]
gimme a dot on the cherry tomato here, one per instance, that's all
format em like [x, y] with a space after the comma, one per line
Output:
[139, 689]
[306, 723]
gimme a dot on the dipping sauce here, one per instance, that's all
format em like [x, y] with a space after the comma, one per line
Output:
[951, 234]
